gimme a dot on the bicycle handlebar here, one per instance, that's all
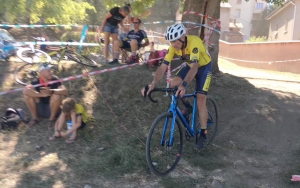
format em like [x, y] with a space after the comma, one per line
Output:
[169, 90]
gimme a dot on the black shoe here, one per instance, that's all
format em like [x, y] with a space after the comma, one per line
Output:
[200, 140]
[113, 61]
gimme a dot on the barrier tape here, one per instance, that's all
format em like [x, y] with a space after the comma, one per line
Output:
[199, 14]
[207, 36]
[204, 25]
[155, 37]
[61, 43]
[78, 76]
[269, 62]
[70, 78]
[76, 25]
[72, 25]
[197, 25]
[149, 31]
[179, 67]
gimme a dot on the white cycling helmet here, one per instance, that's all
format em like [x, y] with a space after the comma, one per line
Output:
[174, 32]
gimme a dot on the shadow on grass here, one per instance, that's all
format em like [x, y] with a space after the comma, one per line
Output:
[258, 129]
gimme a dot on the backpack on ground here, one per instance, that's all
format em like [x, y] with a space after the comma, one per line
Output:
[12, 118]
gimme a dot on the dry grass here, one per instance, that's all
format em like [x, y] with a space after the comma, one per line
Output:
[119, 120]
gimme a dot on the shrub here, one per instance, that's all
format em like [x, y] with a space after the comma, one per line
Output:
[257, 39]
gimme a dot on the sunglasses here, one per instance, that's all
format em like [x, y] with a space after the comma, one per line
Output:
[136, 22]
[45, 64]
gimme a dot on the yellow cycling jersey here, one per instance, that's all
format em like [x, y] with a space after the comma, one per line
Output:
[194, 51]
[79, 110]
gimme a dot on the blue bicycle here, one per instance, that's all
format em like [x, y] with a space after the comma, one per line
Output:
[165, 139]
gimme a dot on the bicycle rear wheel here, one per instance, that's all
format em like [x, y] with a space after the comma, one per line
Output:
[38, 56]
[212, 121]
[163, 156]
[81, 59]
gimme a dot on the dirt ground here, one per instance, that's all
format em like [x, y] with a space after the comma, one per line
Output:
[257, 144]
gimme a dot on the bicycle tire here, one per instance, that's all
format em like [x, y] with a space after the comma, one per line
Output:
[150, 159]
[87, 61]
[212, 119]
[81, 59]
[38, 56]
[26, 79]
[72, 56]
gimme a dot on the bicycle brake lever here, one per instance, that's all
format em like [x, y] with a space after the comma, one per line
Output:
[145, 91]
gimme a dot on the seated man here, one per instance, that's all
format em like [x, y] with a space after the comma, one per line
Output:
[44, 101]
[133, 41]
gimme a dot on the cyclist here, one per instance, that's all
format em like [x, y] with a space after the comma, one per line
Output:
[191, 48]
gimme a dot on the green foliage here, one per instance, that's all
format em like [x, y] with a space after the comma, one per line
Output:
[160, 12]
[257, 39]
[138, 6]
[95, 17]
[90, 38]
[45, 11]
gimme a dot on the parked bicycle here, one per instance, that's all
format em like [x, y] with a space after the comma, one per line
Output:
[32, 53]
[66, 52]
[165, 137]
[8, 45]
[27, 72]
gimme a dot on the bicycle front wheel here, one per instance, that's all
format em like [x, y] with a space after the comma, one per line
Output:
[36, 56]
[164, 145]
[81, 59]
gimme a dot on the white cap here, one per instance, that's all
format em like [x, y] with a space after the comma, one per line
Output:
[44, 66]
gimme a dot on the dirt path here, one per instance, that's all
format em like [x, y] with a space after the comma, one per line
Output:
[259, 126]
[282, 81]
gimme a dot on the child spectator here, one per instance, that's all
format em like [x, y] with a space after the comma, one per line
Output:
[72, 113]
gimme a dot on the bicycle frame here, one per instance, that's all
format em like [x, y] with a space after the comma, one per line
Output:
[61, 52]
[174, 109]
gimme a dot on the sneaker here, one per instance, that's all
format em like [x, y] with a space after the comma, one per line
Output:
[200, 140]
[132, 60]
[113, 61]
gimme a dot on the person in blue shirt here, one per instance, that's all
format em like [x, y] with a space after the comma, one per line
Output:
[132, 41]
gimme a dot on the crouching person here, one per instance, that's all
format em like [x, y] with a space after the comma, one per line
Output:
[74, 116]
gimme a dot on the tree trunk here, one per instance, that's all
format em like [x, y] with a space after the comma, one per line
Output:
[210, 8]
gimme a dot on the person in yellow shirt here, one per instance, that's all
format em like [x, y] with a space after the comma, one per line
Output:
[191, 49]
[72, 113]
